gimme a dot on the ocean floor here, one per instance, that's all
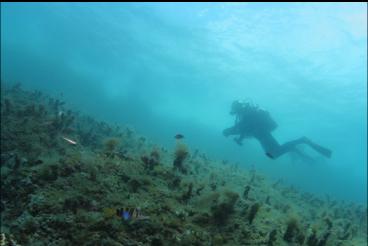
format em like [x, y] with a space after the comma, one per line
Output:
[67, 179]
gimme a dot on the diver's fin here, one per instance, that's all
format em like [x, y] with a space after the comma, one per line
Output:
[270, 156]
[322, 150]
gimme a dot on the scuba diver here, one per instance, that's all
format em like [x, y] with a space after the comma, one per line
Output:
[252, 121]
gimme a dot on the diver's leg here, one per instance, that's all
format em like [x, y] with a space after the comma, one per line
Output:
[290, 146]
[269, 145]
[273, 149]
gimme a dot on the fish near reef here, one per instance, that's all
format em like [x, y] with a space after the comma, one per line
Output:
[179, 136]
[70, 141]
[127, 214]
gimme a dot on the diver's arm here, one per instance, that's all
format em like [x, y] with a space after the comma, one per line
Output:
[230, 131]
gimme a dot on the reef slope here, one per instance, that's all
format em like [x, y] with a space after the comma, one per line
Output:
[63, 175]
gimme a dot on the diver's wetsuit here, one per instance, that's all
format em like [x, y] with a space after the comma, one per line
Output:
[254, 122]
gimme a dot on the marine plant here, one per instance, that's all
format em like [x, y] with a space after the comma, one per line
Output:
[292, 229]
[188, 193]
[110, 146]
[181, 153]
[272, 237]
[199, 189]
[8, 106]
[253, 211]
[51, 190]
[324, 238]
[208, 201]
[152, 160]
[222, 211]
[312, 239]
[267, 201]
[246, 192]
[328, 222]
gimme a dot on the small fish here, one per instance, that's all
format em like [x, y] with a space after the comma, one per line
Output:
[70, 141]
[179, 136]
[130, 214]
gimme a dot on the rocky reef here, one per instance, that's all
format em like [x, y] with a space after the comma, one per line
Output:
[64, 174]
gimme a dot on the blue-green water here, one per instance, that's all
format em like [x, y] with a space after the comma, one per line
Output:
[168, 68]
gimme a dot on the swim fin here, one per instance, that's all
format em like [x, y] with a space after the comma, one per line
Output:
[322, 150]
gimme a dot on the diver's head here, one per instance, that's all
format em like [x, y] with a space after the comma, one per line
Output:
[236, 107]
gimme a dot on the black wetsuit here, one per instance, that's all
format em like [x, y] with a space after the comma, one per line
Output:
[254, 122]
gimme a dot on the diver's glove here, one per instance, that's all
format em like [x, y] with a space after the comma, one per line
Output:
[226, 132]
